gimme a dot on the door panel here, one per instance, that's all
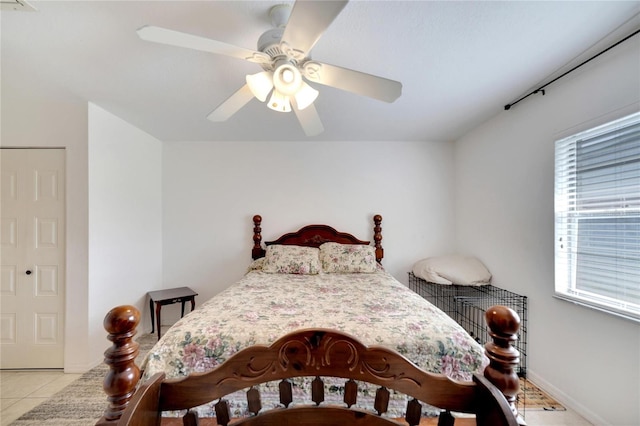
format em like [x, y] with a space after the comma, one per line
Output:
[33, 258]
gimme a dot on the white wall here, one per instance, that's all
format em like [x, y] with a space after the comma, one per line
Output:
[126, 187]
[504, 208]
[125, 225]
[212, 190]
[31, 120]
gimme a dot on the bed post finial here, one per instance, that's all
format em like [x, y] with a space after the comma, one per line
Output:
[257, 251]
[377, 237]
[503, 324]
[123, 376]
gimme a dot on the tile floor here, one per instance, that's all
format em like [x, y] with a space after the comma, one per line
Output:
[555, 418]
[20, 391]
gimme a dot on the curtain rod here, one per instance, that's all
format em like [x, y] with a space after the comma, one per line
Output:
[541, 88]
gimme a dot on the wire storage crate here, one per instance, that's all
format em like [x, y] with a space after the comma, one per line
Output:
[468, 304]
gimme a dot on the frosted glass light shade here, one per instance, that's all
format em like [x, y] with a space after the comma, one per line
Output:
[279, 102]
[305, 96]
[287, 79]
[260, 85]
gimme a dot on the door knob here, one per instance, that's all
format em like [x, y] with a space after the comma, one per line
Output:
[28, 272]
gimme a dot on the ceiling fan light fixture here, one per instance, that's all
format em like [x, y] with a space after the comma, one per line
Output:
[279, 102]
[305, 96]
[260, 84]
[287, 79]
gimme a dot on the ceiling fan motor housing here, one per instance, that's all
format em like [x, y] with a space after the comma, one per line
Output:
[269, 42]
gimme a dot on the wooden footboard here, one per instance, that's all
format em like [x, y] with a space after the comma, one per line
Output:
[354, 360]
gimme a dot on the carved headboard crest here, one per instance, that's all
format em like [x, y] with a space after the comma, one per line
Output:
[313, 241]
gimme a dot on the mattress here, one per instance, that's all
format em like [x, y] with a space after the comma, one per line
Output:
[261, 307]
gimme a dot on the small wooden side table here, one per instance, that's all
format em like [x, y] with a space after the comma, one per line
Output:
[168, 297]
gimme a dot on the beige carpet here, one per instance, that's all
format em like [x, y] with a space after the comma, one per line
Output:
[531, 398]
[83, 402]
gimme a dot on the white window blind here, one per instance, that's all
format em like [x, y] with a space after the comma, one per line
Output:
[597, 217]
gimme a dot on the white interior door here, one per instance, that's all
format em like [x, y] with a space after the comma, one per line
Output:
[33, 258]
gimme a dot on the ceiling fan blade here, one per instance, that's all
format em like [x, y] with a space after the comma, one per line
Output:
[180, 39]
[309, 119]
[307, 22]
[231, 105]
[353, 81]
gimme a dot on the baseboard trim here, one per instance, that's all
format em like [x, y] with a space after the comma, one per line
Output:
[80, 369]
[565, 399]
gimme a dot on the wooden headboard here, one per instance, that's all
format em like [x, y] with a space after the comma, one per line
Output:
[314, 236]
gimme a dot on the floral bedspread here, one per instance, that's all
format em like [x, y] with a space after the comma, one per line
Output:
[261, 307]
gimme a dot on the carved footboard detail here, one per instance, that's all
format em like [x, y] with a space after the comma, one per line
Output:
[122, 379]
[324, 352]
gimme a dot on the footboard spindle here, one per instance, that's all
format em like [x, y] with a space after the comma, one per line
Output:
[504, 358]
[123, 376]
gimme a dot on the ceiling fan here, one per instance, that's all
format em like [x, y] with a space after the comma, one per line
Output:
[284, 53]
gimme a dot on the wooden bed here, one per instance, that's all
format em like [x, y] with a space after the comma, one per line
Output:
[323, 353]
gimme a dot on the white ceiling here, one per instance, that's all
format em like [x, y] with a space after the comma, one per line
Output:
[459, 62]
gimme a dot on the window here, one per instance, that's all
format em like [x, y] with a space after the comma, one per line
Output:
[597, 217]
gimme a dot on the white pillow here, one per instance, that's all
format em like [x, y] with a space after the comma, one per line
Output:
[452, 269]
[422, 269]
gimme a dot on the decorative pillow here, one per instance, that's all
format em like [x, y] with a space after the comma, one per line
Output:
[452, 269]
[347, 258]
[288, 259]
[256, 265]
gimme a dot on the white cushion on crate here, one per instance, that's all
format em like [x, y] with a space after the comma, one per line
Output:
[452, 269]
